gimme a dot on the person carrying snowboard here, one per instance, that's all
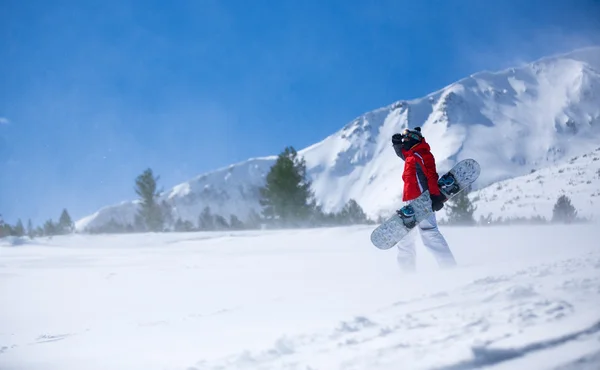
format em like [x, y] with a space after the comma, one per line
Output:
[419, 175]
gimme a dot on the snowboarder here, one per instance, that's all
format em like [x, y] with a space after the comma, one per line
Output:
[420, 174]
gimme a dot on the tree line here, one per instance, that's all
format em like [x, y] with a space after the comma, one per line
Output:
[64, 226]
[286, 200]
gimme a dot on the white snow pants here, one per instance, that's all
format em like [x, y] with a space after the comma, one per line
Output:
[432, 239]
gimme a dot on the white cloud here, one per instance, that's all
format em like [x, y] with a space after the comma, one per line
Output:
[4, 121]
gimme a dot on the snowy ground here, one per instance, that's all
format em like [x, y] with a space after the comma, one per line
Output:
[523, 298]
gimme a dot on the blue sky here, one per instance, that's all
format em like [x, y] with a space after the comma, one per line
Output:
[94, 92]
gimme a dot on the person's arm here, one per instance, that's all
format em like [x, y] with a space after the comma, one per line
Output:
[437, 198]
[431, 174]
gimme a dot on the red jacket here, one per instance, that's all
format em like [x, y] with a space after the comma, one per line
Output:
[419, 173]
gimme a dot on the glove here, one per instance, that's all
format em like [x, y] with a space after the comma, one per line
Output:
[397, 139]
[397, 143]
[437, 201]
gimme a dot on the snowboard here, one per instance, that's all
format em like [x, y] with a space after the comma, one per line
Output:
[392, 230]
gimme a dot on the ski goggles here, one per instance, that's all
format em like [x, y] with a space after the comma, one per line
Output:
[407, 134]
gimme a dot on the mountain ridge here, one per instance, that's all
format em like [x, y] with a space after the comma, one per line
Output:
[512, 121]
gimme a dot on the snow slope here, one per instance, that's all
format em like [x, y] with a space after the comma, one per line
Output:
[511, 121]
[536, 193]
[522, 298]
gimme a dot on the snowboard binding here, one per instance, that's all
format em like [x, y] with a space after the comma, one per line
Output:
[448, 185]
[407, 214]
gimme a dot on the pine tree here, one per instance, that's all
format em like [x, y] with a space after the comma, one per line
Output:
[183, 226]
[317, 217]
[286, 197]
[460, 209]
[188, 226]
[485, 221]
[352, 213]
[221, 223]
[167, 212]
[65, 224]
[254, 220]
[139, 223]
[235, 223]
[19, 230]
[50, 228]
[563, 210]
[150, 213]
[331, 219]
[206, 221]
[30, 230]
[178, 225]
[5, 229]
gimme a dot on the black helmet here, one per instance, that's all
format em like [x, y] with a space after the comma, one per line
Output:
[408, 138]
[412, 134]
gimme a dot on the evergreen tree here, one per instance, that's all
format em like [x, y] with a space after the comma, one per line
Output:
[138, 223]
[150, 213]
[235, 223]
[331, 219]
[167, 212]
[320, 218]
[352, 213]
[183, 226]
[220, 223]
[485, 221]
[50, 228]
[19, 230]
[206, 221]
[254, 220]
[286, 197]
[460, 209]
[65, 224]
[188, 226]
[5, 229]
[178, 224]
[30, 230]
[563, 210]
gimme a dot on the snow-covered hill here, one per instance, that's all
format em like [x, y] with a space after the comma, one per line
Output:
[536, 193]
[521, 298]
[511, 121]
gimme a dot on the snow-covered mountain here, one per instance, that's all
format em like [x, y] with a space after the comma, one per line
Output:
[536, 193]
[512, 121]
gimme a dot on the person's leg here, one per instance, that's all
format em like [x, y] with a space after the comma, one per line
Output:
[435, 242]
[406, 253]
